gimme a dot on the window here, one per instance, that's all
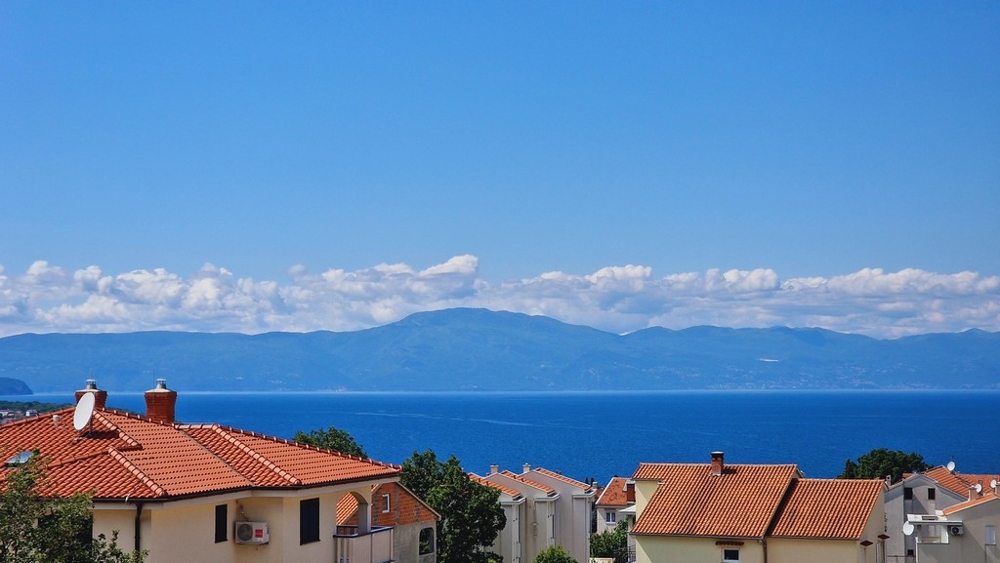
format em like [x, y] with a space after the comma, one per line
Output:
[907, 493]
[730, 556]
[991, 535]
[931, 493]
[611, 517]
[221, 523]
[385, 503]
[426, 541]
[309, 521]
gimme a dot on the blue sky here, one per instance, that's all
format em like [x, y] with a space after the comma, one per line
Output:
[263, 166]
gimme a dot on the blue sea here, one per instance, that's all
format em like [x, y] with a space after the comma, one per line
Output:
[602, 434]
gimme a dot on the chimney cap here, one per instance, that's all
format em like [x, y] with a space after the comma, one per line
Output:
[161, 385]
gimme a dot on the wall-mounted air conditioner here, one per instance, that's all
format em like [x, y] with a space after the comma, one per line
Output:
[956, 530]
[251, 533]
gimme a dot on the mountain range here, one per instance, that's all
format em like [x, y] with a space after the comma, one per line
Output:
[478, 349]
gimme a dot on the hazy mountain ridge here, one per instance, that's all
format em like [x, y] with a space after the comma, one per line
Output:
[477, 349]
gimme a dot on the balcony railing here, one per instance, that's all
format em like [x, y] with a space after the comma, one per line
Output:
[372, 547]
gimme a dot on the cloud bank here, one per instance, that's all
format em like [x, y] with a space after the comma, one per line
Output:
[47, 298]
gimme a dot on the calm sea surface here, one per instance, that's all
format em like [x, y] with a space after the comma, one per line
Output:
[604, 434]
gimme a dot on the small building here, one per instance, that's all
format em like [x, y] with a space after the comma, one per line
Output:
[549, 509]
[202, 493]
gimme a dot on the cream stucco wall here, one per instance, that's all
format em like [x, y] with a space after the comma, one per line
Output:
[817, 551]
[184, 530]
[654, 549]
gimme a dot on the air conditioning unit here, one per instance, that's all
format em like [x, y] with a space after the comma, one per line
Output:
[251, 533]
[956, 530]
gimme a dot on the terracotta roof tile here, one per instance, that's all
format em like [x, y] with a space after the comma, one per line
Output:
[535, 484]
[960, 483]
[125, 455]
[613, 495]
[691, 502]
[969, 503]
[563, 478]
[498, 486]
[828, 508]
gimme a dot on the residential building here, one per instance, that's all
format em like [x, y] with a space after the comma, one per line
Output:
[925, 494]
[742, 513]
[551, 509]
[414, 522]
[616, 503]
[613, 503]
[509, 544]
[202, 492]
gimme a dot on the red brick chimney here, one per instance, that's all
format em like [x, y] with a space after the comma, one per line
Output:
[100, 397]
[160, 402]
[718, 463]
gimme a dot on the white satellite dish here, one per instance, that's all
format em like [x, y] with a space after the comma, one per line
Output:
[993, 484]
[84, 412]
[951, 466]
[908, 529]
[979, 487]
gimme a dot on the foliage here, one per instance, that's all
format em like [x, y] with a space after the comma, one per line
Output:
[554, 554]
[881, 463]
[34, 528]
[471, 515]
[333, 439]
[611, 543]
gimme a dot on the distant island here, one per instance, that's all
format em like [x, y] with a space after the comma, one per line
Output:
[482, 350]
[10, 386]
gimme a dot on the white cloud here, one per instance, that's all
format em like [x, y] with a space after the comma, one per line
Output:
[47, 298]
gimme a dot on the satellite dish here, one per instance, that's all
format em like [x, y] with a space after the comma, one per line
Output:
[993, 484]
[979, 487]
[84, 412]
[951, 466]
[908, 529]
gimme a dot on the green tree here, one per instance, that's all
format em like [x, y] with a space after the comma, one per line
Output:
[36, 528]
[471, 515]
[333, 439]
[881, 463]
[611, 543]
[554, 554]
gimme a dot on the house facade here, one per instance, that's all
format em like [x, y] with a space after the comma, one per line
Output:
[549, 509]
[413, 522]
[925, 494]
[613, 503]
[744, 513]
[202, 492]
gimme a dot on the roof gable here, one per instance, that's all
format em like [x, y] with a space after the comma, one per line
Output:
[613, 495]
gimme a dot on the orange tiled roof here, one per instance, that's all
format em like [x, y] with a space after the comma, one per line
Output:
[498, 486]
[614, 494]
[545, 488]
[959, 483]
[828, 508]
[691, 502]
[125, 455]
[969, 503]
[563, 478]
